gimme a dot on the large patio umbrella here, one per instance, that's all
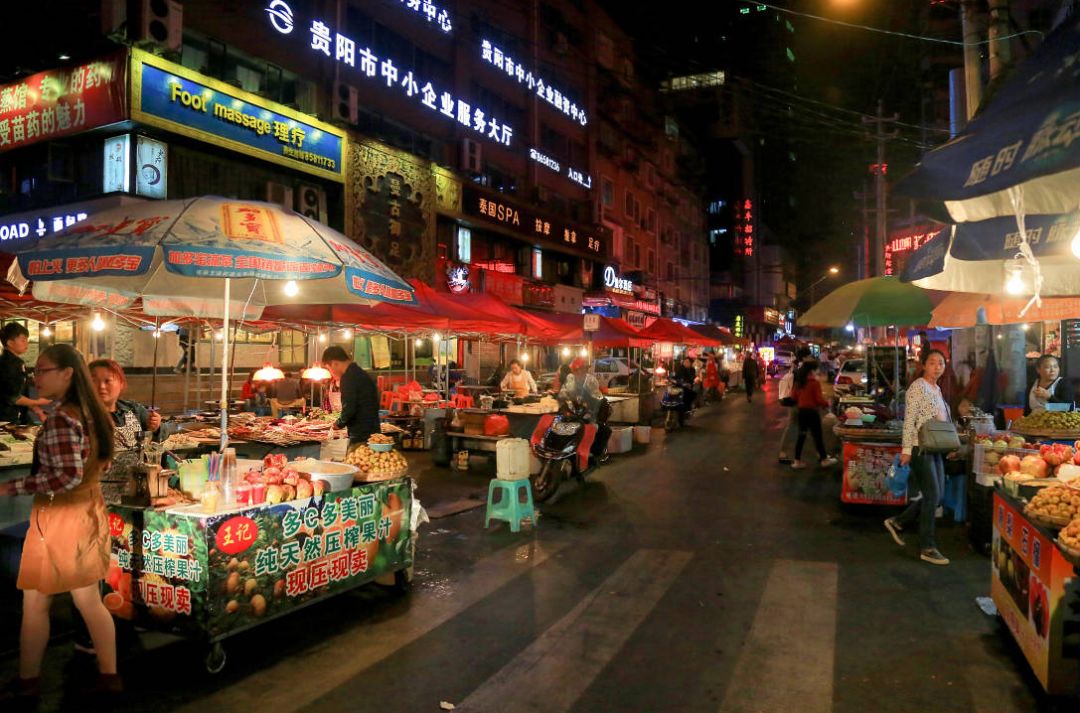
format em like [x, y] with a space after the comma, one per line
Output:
[874, 302]
[1018, 160]
[208, 257]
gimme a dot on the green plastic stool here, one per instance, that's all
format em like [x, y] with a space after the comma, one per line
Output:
[509, 507]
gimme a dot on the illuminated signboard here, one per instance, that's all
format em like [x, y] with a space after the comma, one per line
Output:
[172, 97]
[322, 38]
[580, 178]
[530, 225]
[457, 278]
[544, 160]
[514, 69]
[430, 11]
[616, 282]
[151, 167]
[38, 224]
[740, 325]
[61, 102]
[900, 247]
[744, 228]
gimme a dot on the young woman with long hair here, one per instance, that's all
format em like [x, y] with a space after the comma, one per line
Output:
[809, 401]
[67, 545]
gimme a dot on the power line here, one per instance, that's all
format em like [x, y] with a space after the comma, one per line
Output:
[868, 28]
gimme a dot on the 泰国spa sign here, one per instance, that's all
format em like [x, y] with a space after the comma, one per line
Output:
[174, 98]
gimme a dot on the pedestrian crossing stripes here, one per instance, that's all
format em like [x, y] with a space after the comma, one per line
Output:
[787, 661]
[366, 645]
[553, 671]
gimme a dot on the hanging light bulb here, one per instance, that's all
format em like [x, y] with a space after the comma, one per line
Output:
[850, 327]
[1025, 326]
[1014, 278]
[98, 324]
[418, 342]
[45, 331]
[436, 337]
[316, 372]
[584, 352]
[523, 358]
[566, 351]
[268, 373]
[157, 333]
[322, 338]
[291, 289]
[346, 333]
[219, 335]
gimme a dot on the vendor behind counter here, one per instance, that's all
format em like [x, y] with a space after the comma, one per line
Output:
[129, 418]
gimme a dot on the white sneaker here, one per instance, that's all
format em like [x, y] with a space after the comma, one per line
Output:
[828, 462]
[797, 465]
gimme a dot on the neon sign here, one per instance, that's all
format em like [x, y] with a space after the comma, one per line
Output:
[898, 249]
[343, 49]
[500, 60]
[38, 226]
[545, 160]
[583, 179]
[431, 12]
[616, 282]
[744, 228]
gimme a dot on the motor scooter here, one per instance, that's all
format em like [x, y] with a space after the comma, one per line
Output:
[675, 405]
[563, 443]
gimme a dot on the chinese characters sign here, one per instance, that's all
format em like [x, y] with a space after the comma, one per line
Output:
[60, 102]
[177, 99]
[865, 467]
[219, 573]
[744, 228]
[900, 247]
[544, 90]
[531, 226]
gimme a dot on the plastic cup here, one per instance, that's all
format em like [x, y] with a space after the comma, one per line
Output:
[258, 493]
[243, 494]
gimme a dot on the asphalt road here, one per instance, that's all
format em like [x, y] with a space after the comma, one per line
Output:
[696, 575]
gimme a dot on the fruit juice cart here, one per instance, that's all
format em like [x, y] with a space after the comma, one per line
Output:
[211, 576]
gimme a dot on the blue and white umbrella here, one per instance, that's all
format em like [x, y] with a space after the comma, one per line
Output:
[1009, 183]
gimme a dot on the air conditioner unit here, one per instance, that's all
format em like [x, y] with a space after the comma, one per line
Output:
[280, 194]
[311, 202]
[161, 22]
[471, 156]
[346, 103]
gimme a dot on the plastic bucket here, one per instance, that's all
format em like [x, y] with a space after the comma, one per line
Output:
[642, 434]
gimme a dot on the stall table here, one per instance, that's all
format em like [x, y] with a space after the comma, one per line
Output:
[210, 576]
[1034, 588]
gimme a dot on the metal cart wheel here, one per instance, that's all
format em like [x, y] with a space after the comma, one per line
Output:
[215, 658]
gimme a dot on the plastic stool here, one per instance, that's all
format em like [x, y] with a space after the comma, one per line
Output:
[509, 507]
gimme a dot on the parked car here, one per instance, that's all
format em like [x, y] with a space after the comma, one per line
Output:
[781, 363]
[851, 379]
[608, 369]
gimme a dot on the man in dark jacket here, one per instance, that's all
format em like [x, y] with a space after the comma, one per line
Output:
[750, 374]
[359, 395]
[14, 401]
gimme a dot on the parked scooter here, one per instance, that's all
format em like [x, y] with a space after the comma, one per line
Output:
[677, 404]
[564, 444]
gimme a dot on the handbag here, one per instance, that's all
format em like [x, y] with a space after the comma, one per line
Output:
[938, 437]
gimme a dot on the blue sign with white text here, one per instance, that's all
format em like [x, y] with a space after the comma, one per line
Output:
[194, 108]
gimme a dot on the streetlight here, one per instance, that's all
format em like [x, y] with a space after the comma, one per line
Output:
[832, 272]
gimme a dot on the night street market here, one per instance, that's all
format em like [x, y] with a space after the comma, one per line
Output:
[540, 355]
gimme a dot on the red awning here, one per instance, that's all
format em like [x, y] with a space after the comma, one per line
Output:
[666, 330]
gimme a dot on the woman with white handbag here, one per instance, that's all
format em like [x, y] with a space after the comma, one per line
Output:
[928, 434]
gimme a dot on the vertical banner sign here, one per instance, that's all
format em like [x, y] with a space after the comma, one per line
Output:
[60, 102]
[116, 170]
[1029, 579]
[151, 167]
[865, 467]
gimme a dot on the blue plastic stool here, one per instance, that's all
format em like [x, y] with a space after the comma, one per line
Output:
[509, 506]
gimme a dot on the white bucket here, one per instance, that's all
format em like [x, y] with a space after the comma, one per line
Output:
[642, 434]
[512, 459]
[622, 440]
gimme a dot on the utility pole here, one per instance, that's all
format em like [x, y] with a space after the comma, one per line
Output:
[972, 69]
[864, 244]
[1000, 54]
[881, 219]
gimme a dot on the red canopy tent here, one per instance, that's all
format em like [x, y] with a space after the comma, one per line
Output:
[666, 330]
[613, 333]
[723, 336]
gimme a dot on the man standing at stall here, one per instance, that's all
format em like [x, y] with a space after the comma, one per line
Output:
[359, 396]
[14, 401]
